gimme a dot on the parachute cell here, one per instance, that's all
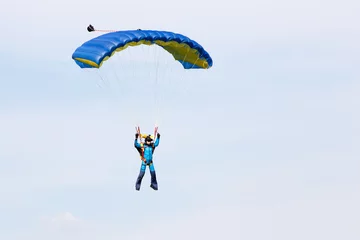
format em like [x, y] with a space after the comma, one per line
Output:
[189, 53]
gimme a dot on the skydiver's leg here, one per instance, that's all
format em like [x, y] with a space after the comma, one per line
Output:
[154, 184]
[140, 177]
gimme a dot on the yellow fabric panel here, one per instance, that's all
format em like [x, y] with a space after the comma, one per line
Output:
[91, 63]
[183, 52]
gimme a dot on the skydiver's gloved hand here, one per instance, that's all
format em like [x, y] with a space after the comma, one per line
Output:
[136, 135]
[158, 135]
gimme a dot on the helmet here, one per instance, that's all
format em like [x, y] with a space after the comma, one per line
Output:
[148, 138]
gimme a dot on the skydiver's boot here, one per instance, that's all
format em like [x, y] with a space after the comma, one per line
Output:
[154, 184]
[139, 179]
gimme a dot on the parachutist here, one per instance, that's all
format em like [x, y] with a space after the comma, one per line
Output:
[146, 151]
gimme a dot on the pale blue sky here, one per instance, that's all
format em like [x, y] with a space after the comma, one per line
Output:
[264, 145]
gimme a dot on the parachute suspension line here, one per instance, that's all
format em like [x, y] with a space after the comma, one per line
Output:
[188, 84]
[160, 94]
[101, 78]
[118, 81]
[131, 61]
[158, 88]
[89, 72]
[117, 88]
[183, 76]
[157, 92]
[105, 77]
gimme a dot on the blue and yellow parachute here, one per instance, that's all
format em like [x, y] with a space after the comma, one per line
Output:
[189, 53]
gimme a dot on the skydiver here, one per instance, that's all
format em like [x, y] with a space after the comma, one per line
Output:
[146, 151]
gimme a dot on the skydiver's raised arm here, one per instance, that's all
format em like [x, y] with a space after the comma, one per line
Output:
[157, 141]
[136, 143]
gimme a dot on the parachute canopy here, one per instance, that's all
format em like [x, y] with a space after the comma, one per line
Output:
[189, 53]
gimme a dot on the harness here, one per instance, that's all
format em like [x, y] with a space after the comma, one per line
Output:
[141, 152]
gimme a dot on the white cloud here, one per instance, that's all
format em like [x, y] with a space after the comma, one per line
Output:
[64, 223]
[65, 218]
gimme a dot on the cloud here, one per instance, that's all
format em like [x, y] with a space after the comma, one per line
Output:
[65, 218]
[64, 223]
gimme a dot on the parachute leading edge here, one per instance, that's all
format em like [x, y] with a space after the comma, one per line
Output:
[189, 53]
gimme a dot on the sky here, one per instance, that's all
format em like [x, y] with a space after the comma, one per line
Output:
[264, 145]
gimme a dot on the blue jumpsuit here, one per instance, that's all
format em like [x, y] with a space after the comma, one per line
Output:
[148, 155]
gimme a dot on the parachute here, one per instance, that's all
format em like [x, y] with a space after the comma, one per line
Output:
[93, 53]
[191, 55]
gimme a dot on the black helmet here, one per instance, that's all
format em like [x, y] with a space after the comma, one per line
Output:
[148, 138]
